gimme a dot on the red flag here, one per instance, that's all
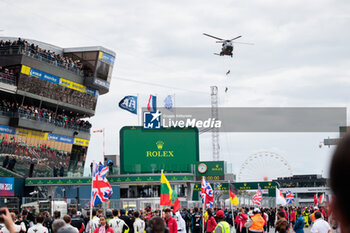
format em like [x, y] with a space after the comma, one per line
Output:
[149, 103]
[321, 199]
[315, 199]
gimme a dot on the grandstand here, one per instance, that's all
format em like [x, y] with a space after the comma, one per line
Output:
[47, 95]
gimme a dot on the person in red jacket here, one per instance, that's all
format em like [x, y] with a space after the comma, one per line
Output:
[292, 217]
[240, 220]
[211, 222]
[170, 221]
[103, 227]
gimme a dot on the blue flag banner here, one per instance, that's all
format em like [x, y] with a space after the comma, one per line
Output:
[168, 102]
[129, 103]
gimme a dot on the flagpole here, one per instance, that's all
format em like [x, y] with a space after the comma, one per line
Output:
[137, 110]
[104, 145]
[203, 223]
[92, 175]
[174, 107]
[233, 216]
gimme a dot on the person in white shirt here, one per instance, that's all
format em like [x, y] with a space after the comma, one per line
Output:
[139, 224]
[320, 225]
[94, 223]
[38, 228]
[181, 224]
[118, 225]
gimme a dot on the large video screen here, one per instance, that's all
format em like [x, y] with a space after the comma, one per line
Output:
[150, 151]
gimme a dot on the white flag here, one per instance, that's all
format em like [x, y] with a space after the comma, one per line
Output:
[280, 200]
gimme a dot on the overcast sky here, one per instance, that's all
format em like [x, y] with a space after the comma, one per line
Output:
[300, 59]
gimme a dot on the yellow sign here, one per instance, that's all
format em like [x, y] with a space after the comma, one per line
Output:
[31, 133]
[62, 82]
[25, 70]
[72, 85]
[81, 142]
[159, 153]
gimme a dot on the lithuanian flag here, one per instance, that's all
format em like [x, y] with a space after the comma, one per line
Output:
[167, 194]
[233, 196]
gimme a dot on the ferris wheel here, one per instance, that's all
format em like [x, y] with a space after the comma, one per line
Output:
[264, 166]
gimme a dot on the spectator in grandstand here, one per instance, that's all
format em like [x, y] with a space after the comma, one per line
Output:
[12, 163]
[6, 161]
[57, 224]
[22, 46]
[68, 227]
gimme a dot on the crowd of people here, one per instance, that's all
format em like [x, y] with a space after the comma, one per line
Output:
[44, 114]
[42, 155]
[7, 76]
[56, 92]
[245, 220]
[20, 46]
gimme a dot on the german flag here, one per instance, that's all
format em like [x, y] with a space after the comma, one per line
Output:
[167, 194]
[233, 197]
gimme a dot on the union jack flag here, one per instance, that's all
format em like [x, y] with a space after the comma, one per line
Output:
[257, 197]
[207, 193]
[101, 189]
[290, 197]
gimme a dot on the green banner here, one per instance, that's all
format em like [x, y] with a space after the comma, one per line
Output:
[122, 179]
[151, 150]
[211, 169]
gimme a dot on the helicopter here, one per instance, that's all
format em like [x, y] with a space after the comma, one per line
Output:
[227, 45]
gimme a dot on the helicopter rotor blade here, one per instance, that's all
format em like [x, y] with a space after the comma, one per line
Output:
[243, 43]
[212, 36]
[235, 38]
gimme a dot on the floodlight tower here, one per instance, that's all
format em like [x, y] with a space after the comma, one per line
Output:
[215, 115]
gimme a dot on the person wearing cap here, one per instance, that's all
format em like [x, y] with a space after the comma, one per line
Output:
[222, 226]
[258, 222]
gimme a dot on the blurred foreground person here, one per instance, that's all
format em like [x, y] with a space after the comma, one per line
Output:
[340, 182]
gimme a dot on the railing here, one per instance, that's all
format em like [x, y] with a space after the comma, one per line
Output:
[58, 123]
[27, 51]
[7, 78]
